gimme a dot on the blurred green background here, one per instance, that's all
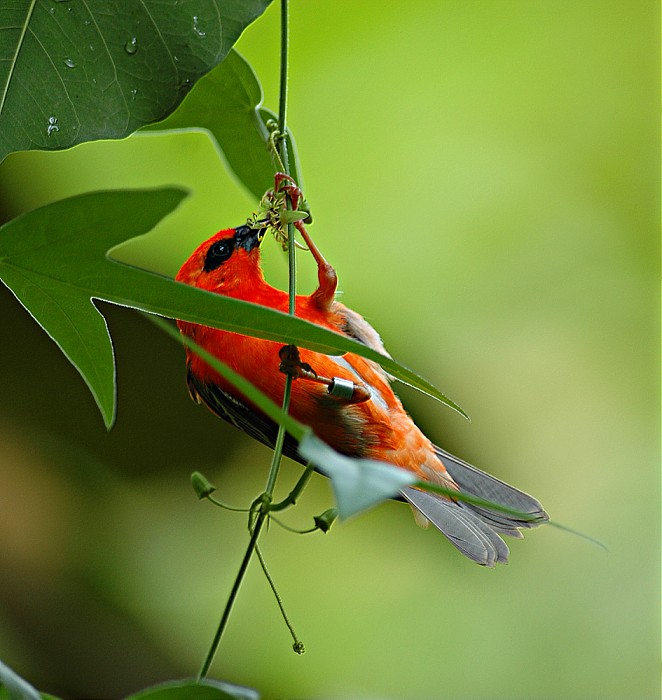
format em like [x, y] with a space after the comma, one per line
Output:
[484, 177]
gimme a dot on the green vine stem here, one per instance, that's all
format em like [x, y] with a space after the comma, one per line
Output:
[264, 502]
[297, 643]
[282, 103]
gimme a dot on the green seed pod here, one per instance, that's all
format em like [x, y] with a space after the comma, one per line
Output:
[326, 519]
[201, 485]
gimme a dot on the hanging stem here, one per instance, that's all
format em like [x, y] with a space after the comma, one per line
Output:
[298, 644]
[282, 102]
[284, 156]
[267, 497]
[232, 597]
[290, 500]
[282, 143]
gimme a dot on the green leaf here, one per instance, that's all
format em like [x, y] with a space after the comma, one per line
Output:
[189, 689]
[13, 687]
[250, 319]
[55, 266]
[358, 484]
[228, 103]
[261, 322]
[77, 71]
[54, 262]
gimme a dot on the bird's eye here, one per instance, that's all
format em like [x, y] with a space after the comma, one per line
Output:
[218, 254]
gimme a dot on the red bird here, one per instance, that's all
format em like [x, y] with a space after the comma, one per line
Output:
[347, 400]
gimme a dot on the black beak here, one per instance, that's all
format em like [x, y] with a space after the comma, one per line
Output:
[248, 238]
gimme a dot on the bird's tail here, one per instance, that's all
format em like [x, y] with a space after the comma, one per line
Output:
[474, 529]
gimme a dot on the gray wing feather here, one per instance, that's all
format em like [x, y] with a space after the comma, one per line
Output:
[477, 483]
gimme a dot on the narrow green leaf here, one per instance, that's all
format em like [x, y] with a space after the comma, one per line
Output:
[477, 501]
[198, 306]
[189, 689]
[358, 484]
[77, 71]
[13, 687]
[247, 388]
[228, 103]
[54, 266]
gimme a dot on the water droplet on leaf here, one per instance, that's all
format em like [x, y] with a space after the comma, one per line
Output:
[52, 126]
[131, 46]
[69, 63]
[197, 29]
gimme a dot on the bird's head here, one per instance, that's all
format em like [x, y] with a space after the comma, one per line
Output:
[225, 261]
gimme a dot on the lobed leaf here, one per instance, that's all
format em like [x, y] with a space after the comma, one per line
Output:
[77, 71]
[55, 260]
[228, 103]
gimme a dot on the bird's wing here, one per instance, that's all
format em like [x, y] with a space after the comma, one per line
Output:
[355, 326]
[231, 409]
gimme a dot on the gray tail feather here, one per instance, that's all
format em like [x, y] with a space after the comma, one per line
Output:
[463, 528]
[475, 530]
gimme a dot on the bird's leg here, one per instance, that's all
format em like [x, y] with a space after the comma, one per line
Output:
[290, 364]
[342, 389]
[327, 278]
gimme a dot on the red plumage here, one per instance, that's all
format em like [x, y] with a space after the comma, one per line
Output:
[371, 423]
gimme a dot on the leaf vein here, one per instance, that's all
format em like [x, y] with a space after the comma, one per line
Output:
[14, 59]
